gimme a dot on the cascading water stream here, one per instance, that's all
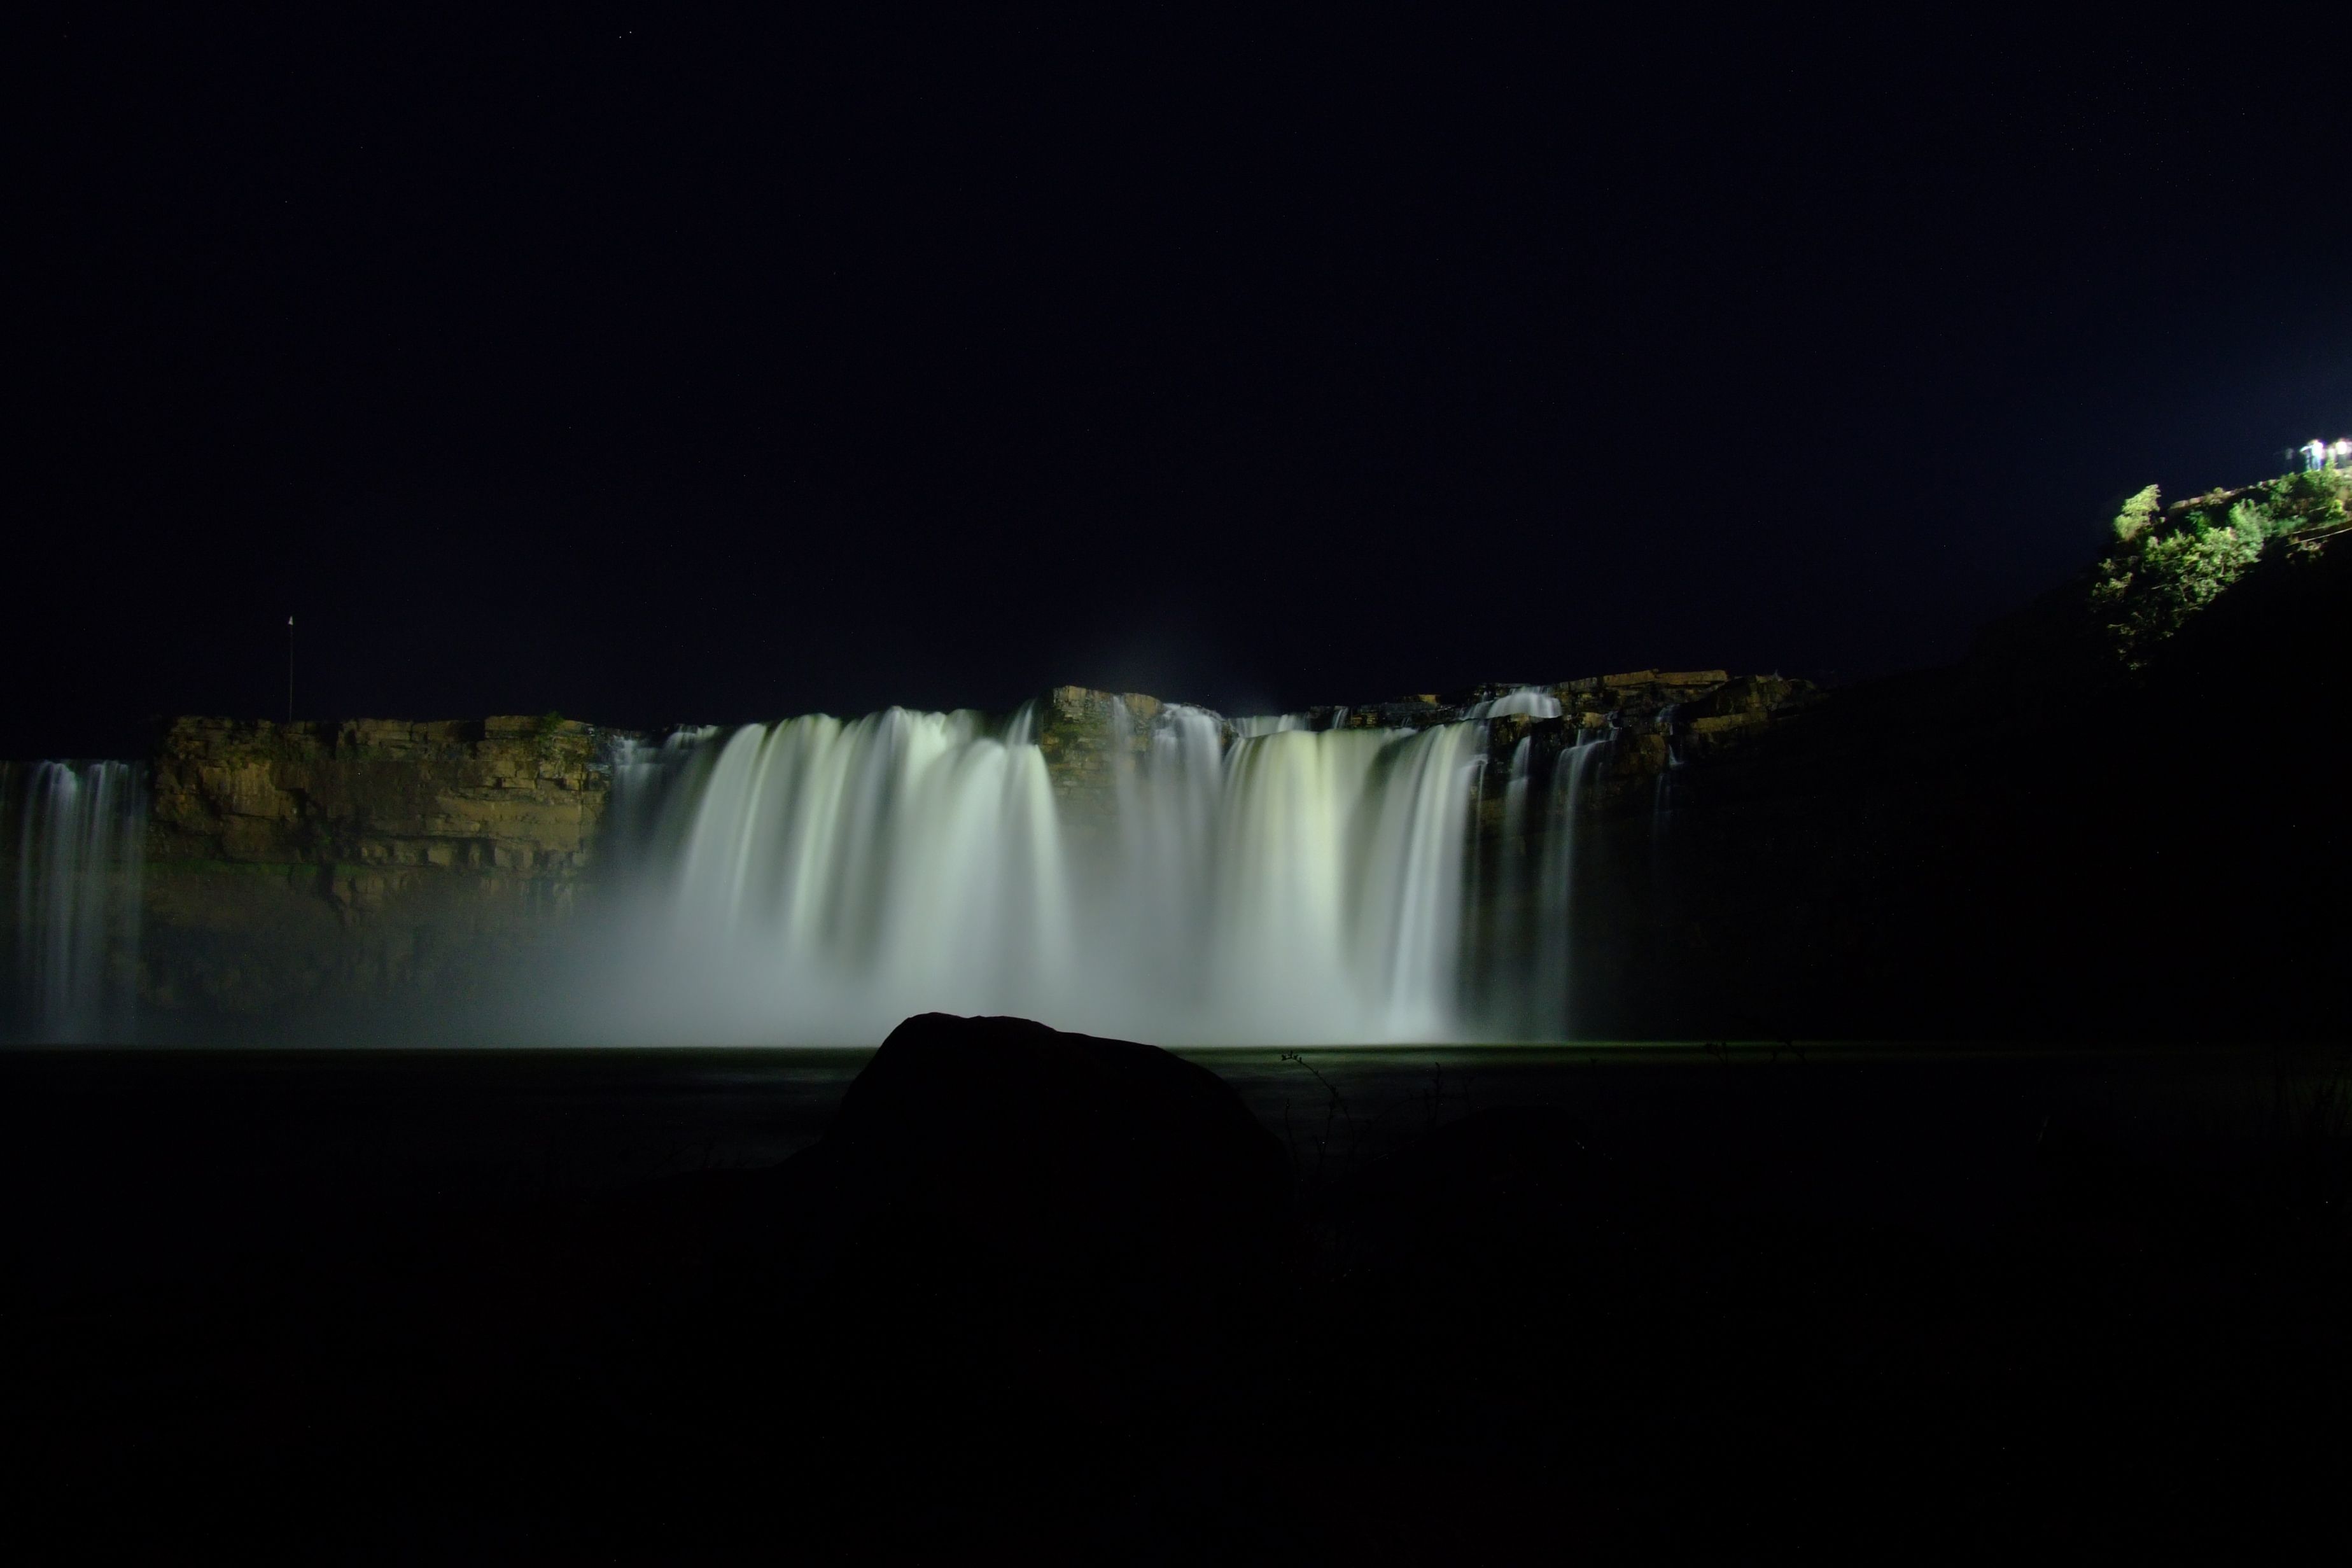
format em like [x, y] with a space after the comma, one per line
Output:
[1194, 881]
[1283, 879]
[815, 882]
[808, 877]
[1551, 985]
[79, 833]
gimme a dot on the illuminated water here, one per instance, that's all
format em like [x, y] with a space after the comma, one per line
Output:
[814, 881]
[79, 839]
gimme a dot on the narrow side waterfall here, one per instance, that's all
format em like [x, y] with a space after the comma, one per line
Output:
[1259, 882]
[78, 832]
[1551, 986]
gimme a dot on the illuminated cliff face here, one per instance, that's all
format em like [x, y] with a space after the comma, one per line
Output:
[304, 865]
[1399, 871]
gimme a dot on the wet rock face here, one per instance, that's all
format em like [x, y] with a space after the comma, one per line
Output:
[1087, 737]
[291, 864]
[516, 793]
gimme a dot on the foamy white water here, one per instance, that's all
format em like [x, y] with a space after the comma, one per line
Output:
[81, 849]
[815, 882]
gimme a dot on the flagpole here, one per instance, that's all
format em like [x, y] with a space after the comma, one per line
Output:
[289, 672]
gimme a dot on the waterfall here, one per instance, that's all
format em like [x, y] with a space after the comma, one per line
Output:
[1661, 792]
[1515, 790]
[1534, 701]
[1552, 983]
[1663, 845]
[816, 880]
[79, 835]
[643, 776]
[1336, 898]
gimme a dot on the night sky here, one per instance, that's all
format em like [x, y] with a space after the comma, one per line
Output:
[652, 370]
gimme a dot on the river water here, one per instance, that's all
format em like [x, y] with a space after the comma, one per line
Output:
[128, 1165]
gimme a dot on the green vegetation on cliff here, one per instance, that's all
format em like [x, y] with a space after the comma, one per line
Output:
[2167, 566]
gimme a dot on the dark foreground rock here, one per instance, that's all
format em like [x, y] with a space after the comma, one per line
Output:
[1063, 1153]
[1037, 1297]
[1023, 1291]
[1081, 1227]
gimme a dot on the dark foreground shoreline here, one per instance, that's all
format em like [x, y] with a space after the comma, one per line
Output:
[452, 1306]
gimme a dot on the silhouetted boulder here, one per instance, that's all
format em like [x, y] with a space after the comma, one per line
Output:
[1008, 1217]
[1062, 1152]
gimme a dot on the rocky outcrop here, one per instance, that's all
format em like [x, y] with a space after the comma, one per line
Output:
[1090, 737]
[510, 793]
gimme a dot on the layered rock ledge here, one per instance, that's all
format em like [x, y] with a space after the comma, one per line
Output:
[292, 862]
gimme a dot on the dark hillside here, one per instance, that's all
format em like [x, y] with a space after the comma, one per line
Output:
[2037, 843]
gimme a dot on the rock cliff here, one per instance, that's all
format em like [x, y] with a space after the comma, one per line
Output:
[293, 864]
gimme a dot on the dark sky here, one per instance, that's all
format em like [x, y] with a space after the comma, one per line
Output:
[654, 369]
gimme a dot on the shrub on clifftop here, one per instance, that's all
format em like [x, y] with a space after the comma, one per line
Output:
[2164, 567]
